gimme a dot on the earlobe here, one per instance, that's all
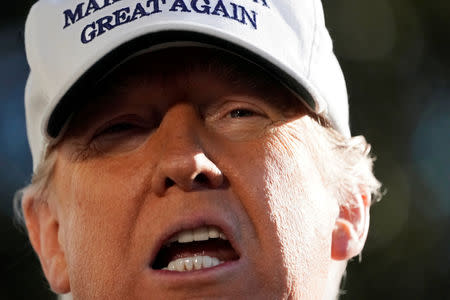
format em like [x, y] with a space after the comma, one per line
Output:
[43, 229]
[351, 228]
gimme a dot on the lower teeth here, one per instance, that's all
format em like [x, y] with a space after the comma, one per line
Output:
[193, 263]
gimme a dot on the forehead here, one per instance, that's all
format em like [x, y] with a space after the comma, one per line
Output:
[160, 79]
[187, 67]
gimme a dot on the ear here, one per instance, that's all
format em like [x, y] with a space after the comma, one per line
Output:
[43, 229]
[351, 227]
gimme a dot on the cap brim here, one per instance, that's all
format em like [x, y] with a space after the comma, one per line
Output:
[66, 106]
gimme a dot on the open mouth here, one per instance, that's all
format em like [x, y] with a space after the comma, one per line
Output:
[195, 249]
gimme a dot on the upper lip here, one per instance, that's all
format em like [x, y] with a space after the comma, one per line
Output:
[192, 223]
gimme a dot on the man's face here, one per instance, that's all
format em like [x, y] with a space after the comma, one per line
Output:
[171, 144]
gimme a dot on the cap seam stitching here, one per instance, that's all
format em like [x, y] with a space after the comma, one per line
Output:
[313, 40]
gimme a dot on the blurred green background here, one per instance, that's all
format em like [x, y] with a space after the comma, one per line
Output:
[395, 56]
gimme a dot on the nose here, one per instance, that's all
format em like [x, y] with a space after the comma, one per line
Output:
[183, 162]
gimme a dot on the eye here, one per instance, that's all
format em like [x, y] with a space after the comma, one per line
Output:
[242, 113]
[124, 126]
[236, 113]
[117, 128]
[120, 135]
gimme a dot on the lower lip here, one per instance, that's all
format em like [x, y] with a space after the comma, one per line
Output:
[215, 273]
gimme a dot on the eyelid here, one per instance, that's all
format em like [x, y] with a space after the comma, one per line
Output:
[223, 109]
[131, 118]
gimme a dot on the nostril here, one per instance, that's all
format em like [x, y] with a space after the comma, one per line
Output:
[169, 182]
[201, 179]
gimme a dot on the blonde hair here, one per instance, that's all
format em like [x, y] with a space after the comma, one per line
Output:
[40, 182]
[351, 170]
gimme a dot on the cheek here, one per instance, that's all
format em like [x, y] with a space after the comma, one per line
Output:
[302, 210]
[289, 208]
[99, 213]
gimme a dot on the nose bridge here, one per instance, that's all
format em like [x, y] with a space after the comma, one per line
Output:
[180, 127]
[182, 161]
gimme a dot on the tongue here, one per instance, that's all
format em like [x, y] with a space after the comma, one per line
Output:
[214, 248]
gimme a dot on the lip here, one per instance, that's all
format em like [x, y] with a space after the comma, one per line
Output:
[192, 222]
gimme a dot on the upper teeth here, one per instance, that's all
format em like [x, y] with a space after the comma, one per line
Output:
[193, 263]
[199, 234]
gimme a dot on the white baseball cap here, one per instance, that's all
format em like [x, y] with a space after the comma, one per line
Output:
[72, 43]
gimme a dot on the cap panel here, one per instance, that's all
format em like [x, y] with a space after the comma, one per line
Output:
[35, 107]
[326, 75]
[64, 50]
